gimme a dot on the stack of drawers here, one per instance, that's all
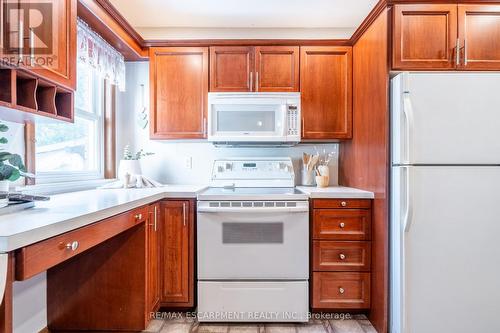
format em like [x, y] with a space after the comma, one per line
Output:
[341, 250]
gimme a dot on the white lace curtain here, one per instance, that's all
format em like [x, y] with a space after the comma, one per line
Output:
[96, 52]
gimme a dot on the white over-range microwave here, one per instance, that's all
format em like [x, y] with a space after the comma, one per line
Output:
[254, 118]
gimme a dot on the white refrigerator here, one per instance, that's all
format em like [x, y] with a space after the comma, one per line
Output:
[445, 203]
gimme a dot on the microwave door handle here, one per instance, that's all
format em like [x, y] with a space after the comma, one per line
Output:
[285, 121]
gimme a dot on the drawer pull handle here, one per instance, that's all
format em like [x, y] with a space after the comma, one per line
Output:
[341, 290]
[342, 224]
[342, 256]
[73, 246]
[343, 204]
[138, 217]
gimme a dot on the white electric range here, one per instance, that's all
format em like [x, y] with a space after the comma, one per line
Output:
[253, 243]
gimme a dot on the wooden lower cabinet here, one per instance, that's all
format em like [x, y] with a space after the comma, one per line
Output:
[177, 253]
[103, 288]
[153, 258]
[341, 254]
[341, 290]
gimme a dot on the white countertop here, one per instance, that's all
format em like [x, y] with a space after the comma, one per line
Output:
[69, 211]
[335, 192]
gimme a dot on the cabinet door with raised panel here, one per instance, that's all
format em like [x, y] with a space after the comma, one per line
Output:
[424, 36]
[326, 92]
[177, 253]
[231, 68]
[277, 68]
[479, 35]
[60, 68]
[179, 92]
[153, 258]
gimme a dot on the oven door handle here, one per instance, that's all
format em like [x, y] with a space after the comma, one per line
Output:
[252, 210]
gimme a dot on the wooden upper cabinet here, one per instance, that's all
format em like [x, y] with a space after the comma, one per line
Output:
[179, 91]
[259, 68]
[479, 35]
[62, 69]
[326, 92]
[231, 68]
[424, 36]
[277, 68]
[177, 253]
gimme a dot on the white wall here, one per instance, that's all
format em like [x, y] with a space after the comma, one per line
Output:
[168, 164]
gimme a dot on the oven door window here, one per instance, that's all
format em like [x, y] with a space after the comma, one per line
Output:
[252, 233]
[248, 119]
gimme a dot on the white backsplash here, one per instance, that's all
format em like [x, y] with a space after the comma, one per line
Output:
[170, 161]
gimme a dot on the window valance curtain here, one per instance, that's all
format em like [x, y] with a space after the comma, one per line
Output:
[96, 52]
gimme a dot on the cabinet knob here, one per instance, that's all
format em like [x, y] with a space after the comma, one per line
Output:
[343, 204]
[341, 290]
[342, 256]
[342, 224]
[73, 246]
[138, 216]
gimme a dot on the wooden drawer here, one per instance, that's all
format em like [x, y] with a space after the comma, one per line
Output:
[342, 203]
[39, 257]
[341, 290]
[342, 224]
[138, 215]
[341, 256]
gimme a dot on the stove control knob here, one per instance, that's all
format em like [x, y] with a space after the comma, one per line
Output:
[229, 166]
[220, 168]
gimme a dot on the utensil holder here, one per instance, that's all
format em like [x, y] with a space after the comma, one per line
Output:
[308, 177]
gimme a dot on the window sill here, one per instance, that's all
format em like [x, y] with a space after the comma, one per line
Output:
[65, 187]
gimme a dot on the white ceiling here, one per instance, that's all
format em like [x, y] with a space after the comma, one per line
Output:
[248, 18]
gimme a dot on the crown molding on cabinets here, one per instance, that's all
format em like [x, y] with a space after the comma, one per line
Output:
[102, 17]
[246, 42]
[368, 21]
[115, 14]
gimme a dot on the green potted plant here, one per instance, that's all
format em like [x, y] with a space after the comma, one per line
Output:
[130, 163]
[11, 166]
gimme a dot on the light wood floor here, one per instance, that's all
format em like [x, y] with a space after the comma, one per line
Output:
[359, 324]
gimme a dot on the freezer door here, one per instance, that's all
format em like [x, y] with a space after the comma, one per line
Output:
[446, 118]
[445, 250]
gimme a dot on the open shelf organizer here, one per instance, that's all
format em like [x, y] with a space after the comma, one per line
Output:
[22, 91]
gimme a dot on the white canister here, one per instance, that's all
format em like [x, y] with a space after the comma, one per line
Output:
[4, 187]
[324, 170]
[131, 167]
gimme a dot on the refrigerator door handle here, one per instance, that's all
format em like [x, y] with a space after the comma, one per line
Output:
[408, 113]
[408, 215]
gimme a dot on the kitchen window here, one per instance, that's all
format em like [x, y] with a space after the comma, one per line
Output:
[74, 152]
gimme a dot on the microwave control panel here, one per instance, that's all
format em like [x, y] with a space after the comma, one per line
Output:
[293, 119]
